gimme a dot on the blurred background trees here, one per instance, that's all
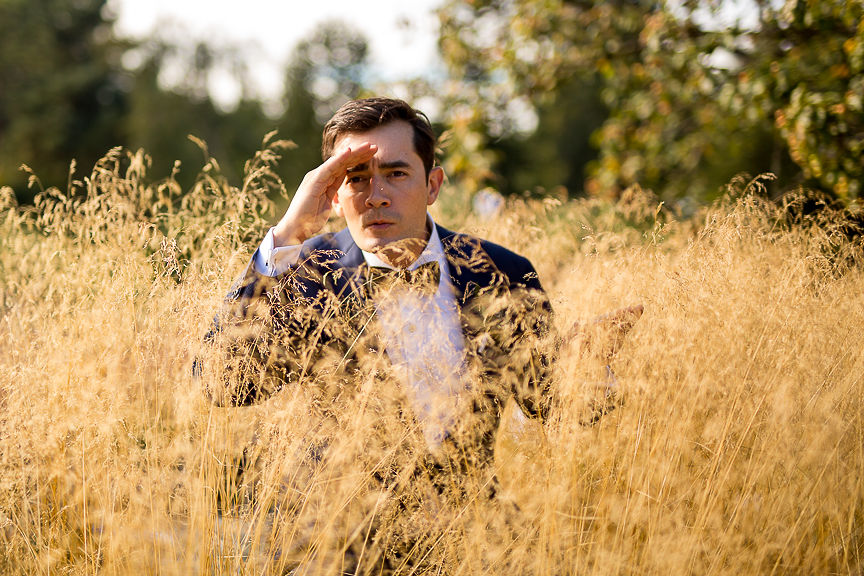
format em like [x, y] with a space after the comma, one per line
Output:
[692, 92]
[545, 96]
[63, 91]
[327, 69]
[65, 94]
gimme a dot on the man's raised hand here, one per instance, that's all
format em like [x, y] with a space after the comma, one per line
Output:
[311, 205]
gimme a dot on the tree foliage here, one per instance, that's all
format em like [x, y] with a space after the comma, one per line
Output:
[62, 89]
[65, 94]
[693, 95]
[160, 119]
[591, 96]
[817, 84]
[327, 68]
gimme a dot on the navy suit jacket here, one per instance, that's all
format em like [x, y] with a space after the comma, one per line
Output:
[505, 313]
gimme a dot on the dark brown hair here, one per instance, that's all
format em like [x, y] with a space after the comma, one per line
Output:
[367, 114]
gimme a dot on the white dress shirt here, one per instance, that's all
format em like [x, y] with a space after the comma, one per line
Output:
[421, 334]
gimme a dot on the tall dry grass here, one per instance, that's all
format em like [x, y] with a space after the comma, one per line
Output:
[738, 447]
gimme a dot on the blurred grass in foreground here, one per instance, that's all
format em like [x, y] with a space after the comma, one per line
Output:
[739, 448]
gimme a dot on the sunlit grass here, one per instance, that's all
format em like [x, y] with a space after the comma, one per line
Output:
[738, 447]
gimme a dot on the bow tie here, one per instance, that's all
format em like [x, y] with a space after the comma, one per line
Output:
[424, 278]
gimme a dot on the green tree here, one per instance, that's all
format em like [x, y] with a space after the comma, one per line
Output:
[327, 68]
[160, 119]
[692, 98]
[556, 153]
[812, 66]
[63, 90]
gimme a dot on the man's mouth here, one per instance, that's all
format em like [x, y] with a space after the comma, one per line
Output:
[377, 224]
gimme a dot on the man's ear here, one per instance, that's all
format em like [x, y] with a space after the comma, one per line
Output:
[436, 179]
[336, 206]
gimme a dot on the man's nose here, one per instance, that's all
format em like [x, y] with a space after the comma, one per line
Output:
[379, 195]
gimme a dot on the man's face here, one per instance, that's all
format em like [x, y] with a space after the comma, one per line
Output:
[384, 200]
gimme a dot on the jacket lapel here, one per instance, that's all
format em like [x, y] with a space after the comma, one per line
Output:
[472, 273]
[344, 275]
[470, 268]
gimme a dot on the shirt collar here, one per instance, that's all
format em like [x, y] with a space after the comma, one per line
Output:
[433, 252]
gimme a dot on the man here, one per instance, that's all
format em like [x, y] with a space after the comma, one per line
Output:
[434, 329]
[379, 175]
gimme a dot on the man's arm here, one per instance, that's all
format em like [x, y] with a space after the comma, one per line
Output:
[512, 317]
[598, 340]
[264, 332]
[538, 344]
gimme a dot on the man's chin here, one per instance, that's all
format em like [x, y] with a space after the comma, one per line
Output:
[398, 252]
[373, 245]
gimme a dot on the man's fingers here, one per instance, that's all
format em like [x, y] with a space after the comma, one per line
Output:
[605, 334]
[622, 319]
[616, 326]
[341, 161]
[327, 178]
[634, 312]
[628, 316]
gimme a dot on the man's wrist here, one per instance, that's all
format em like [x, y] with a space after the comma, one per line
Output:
[286, 236]
[271, 260]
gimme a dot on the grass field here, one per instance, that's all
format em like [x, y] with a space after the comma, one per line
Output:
[738, 447]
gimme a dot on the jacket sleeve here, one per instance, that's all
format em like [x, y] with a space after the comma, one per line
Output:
[533, 346]
[261, 338]
[510, 327]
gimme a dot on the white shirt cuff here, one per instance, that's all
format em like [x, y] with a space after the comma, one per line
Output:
[275, 261]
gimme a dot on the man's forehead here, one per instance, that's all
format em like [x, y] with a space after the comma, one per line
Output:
[395, 142]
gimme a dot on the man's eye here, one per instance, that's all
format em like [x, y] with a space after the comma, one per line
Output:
[398, 174]
[356, 179]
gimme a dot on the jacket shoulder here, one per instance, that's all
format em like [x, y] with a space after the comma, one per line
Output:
[517, 268]
[329, 251]
[321, 243]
